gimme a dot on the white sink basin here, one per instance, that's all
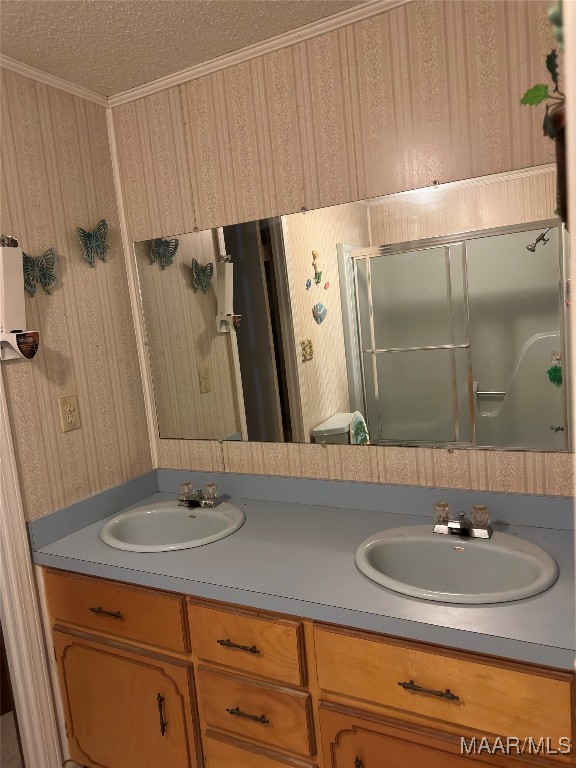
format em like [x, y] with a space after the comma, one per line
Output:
[166, 526]
[454, 569]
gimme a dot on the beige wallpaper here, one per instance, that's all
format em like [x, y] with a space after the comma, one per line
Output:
[155, 177]
[181, 335]
[57, 175]
[427, 213]
[427, 91]
[322, 381]
[512, 471]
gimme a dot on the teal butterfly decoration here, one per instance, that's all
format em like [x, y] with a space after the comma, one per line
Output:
[41, 270]
[202, 276]
[93, 243]
[163, 251]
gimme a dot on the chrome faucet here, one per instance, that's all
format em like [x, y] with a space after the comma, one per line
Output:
[478, 527]
[207, 497]
[460, 526]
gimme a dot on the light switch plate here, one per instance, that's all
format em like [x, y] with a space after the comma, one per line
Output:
[69, 414]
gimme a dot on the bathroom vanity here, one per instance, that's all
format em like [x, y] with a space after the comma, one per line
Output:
[270, 649]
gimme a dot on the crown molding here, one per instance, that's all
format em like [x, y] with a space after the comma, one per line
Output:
[342, 19]
[478, 181]
[338, 20]
[52, 80]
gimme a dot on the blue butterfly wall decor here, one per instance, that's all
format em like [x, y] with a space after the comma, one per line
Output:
[202, 276]
[163, 251]
[40, 270]
[93, 243]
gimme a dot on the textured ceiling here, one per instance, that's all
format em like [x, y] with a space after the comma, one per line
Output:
[110, 46]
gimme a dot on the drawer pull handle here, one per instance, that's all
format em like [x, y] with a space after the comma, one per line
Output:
[163, 723]
[447, 694]
[257, 718]
[358, 763]
[230, 644]
[102, 612]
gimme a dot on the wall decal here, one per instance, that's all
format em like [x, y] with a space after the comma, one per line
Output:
[307, 350]
[326, 286]
[93, 243]
[308, 284]
[40, 270]
[317, 271]
[202, 276]
[163, 251]
[319, 312]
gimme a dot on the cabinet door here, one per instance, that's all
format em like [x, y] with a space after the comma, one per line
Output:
[352, 741]
[123, 709]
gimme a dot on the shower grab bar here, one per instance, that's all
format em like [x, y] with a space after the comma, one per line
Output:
[491, 394]
[420, 349]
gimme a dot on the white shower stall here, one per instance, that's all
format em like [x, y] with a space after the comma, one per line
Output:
[452, 338]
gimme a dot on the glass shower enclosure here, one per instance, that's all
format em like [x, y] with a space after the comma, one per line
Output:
[452, 338]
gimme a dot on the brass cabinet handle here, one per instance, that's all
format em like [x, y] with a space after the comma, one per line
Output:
[230, 644]
[163, 723]
[358, 763]
[102, 612]
[447, 694]
[257, 718]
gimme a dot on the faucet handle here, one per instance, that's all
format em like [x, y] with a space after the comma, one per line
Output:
[481, 528]
[480, 516]
[209, 495]
[186, 491]
[443, 515]
[210, 492]
[442, 512]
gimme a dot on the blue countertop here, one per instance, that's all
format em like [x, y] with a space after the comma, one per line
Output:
[298, 559]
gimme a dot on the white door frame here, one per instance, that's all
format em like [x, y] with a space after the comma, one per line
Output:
[21, 618]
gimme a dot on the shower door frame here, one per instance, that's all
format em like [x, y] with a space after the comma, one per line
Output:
[447, 241]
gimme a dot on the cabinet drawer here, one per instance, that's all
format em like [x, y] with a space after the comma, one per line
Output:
[271, 648]
[153, 618]
[491, 699]
[218, 754]
[284, 716]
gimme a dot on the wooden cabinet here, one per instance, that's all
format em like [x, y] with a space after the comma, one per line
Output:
[251, 677]
[127, 687]
[257, 711]
[352, 740]
[157, 680]
[223, 754]
[486, 695]
[124, 709]
[259, 646]
[121, 610]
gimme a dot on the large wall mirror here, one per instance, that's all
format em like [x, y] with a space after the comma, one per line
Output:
[400, 320]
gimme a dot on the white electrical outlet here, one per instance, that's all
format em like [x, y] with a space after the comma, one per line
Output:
[205, 379]
[69, 414]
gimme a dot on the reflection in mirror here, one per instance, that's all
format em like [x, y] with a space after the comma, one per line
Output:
[317, 331]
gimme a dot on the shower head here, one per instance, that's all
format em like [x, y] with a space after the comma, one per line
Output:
[540, 239]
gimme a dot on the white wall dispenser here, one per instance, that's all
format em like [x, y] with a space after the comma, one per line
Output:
[15, 341]
[225, 296]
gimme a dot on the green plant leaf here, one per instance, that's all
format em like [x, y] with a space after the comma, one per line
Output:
[552, 67]
[535, 95]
